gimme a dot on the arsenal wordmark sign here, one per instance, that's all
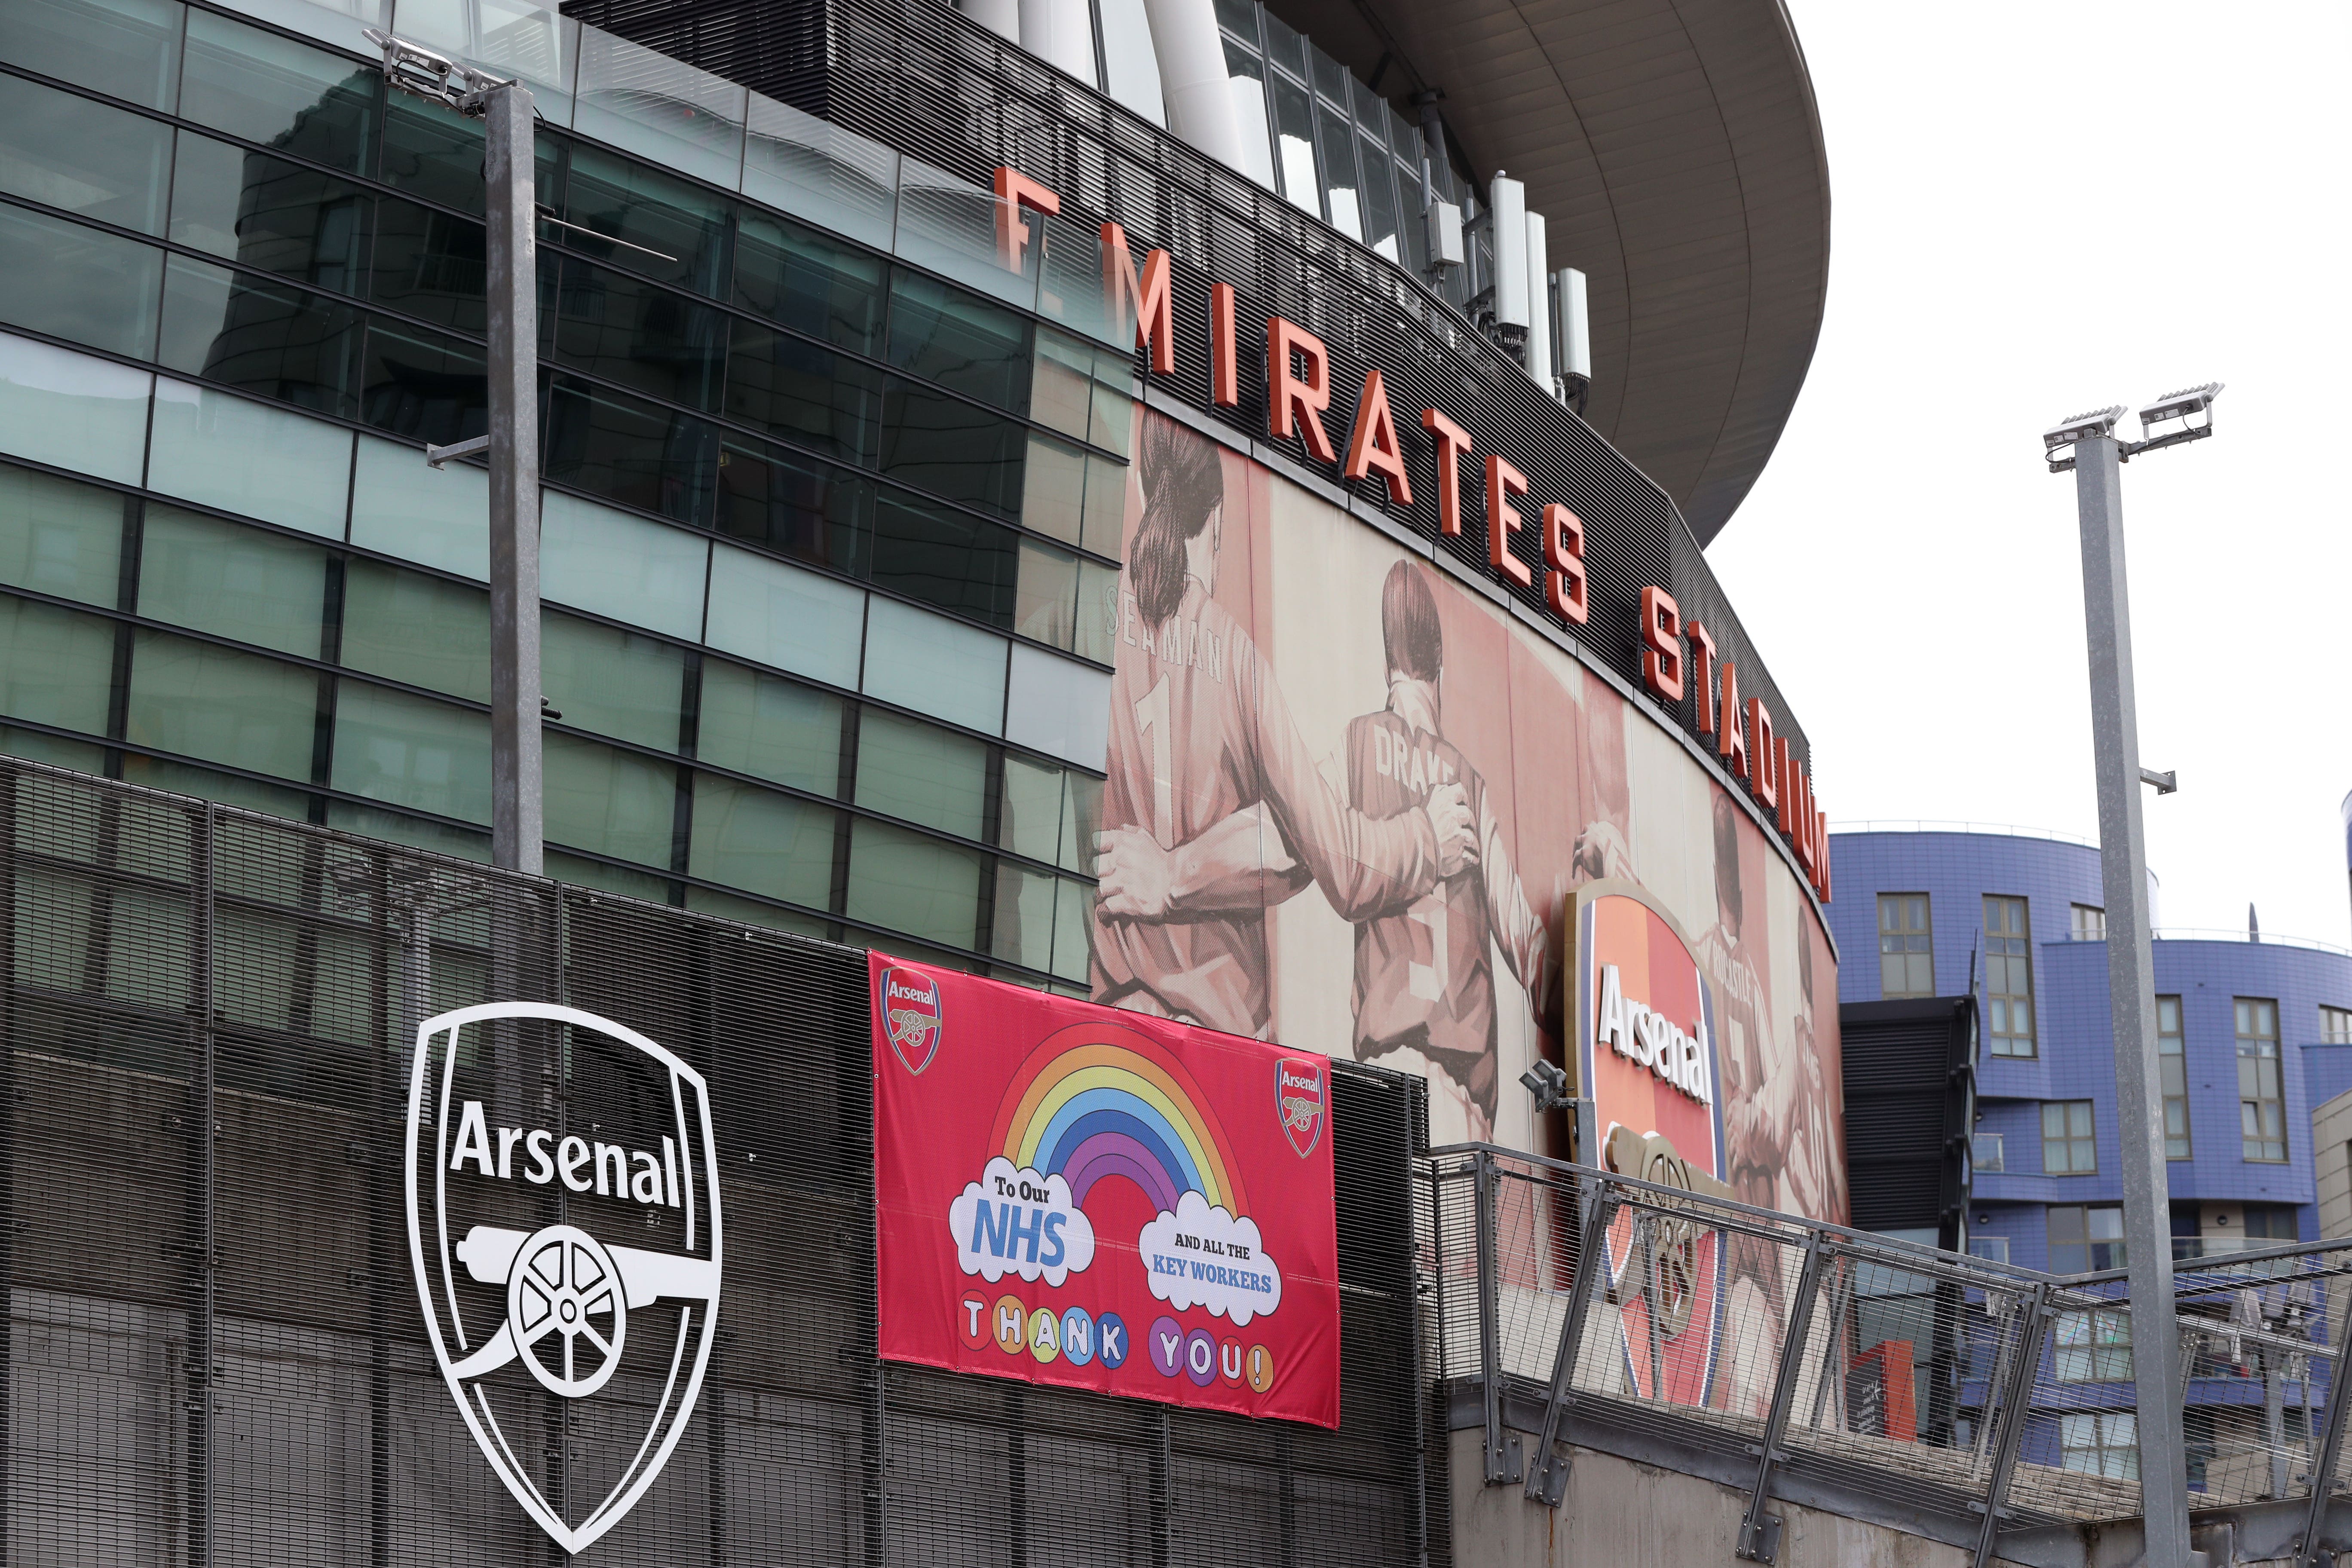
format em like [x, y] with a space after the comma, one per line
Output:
[518, 1202]
[1076, 1194]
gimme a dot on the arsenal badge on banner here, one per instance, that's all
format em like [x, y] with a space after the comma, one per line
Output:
[1643, 1021]
[1074, 1194]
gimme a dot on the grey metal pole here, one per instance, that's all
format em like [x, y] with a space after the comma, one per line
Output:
[510, 168]
[2131, 986]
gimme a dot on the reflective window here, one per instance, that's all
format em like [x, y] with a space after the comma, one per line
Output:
[2068, 1145]
[216, 705]
[778, 615]
[1294, 126]
[267, 339]
[945, 557]
[128, 49]
[960, 342]
[779, 730]
[627, 331]
[262, 87]
[420, 630]
[615, 682]
[69, 153]
[2101, 1443]
[795, 506]
[636, 453]
[608, 800]
[920, 773]
[1246, 80]
[58, 537]
[901, 880]
[610, 563]
[803, 392]
[422, 385]
[2172, 1062]
[2009, 977]
[79, 283]
[436, 517]
[1344, 206]
[1907, 956]
[935, 666]
[2336, 1025]
[269, 215]
[408, 750]
[1377, 172]
[2089, 922]
[249, 458]
[61, 407]
[55, 667]
[952, 450]
[1130, 65]
[808, 281]
[769, 844]
[1054, 489]
[2086, 1238]
[1029, 818]
[231, 581]
[650, 223]
[2262, 1108]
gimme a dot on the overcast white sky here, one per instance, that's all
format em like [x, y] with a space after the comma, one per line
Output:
[2040, 209]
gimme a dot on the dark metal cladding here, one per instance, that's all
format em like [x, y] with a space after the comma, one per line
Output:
[216, 1350]
[920, 77]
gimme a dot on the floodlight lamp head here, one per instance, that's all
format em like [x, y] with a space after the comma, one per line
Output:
[428, 74]
[2180, 404]
[2076, 428]
[1547, 1081]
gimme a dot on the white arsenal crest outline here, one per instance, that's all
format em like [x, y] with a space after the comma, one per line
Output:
[557, 1281]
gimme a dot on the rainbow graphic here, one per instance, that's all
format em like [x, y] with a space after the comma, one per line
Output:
[1096, 1100]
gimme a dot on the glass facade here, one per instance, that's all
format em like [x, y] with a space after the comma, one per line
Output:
[827, 539]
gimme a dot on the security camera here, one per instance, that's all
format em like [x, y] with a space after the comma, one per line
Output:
[2180, 404]
[1547, 1081]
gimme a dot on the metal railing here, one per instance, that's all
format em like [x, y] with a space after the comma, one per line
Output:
[1959, 1398]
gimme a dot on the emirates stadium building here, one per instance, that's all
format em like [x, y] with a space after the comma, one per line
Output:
[1192, 506]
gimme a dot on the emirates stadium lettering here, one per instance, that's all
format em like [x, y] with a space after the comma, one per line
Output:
[1651, 1040]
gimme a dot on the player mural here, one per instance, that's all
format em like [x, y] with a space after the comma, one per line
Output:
[1351, 804]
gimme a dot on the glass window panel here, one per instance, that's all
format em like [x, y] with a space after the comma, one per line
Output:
[219, 706]
[420, 384]
[1283, 44]
[57, 406]
[663, 108]
[902, 882]
[1047, 599]
[1114, 413]
[946, 557]
[1098, 629]
[55, 667]
[1024, 931]
[1073, 930]
[435, 153]
[412, 751]
[949, 226]
[1130, 65]
[608, 800]
[436, 517]
[1061, 382]
[749, 911]
[1029, 818]
[421, 630]
[1107, 505]
[952, 450]
[959, 340]
[399, 827]
[231, 581]
[1058, 707]
[1081, 819]
[779, 730]
[627, 331]
[621, 200]
[804, 393]
[1069, 288]
[1413, 203]
[922, 774]
[263, 88]
[628, 450]
[249, 457]
[79, 283]
[839, 181]
[1054, 489]
[1341, 179]
[1240, 18]
[58, 537]
[935, 666]
[1330, 77]
[780, 616]
[766, 843]
[125, 48]
[594, 558]
[795, 506]
[271, 215]
[617, 683]
[1246, 80]
[88, 158]
[1379, 185]
[809, 281]
[273, 341]
[1294, 120]
[582, 872]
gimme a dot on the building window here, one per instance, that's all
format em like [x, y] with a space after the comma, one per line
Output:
[2174, 1067]
[2336, 1025]
[1906, 964]
[2101, 1443]
[2094, 1347]
[1991, 1248]
[2068, 1147]
[1985, 1150]
[2009, 977]
[2269, 1224]
[2086, 1238]
[2090, 923]
[2262, 1106]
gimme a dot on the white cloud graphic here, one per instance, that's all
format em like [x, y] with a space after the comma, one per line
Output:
[1018, 1222]
[1204, 1256]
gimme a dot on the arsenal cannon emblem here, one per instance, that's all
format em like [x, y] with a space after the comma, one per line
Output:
[518, 1198]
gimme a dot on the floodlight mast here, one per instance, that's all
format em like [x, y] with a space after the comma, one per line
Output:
[509, 175]
[2092, 450]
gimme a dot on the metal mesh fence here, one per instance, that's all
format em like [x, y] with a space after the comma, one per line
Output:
[217, 1352]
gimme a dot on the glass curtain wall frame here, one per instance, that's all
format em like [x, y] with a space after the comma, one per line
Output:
[415, 350]
[2262, 1100]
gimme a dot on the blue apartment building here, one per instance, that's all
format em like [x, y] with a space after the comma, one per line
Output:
[2253, 1034]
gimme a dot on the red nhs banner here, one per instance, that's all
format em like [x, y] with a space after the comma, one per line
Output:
[1076, 1194]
